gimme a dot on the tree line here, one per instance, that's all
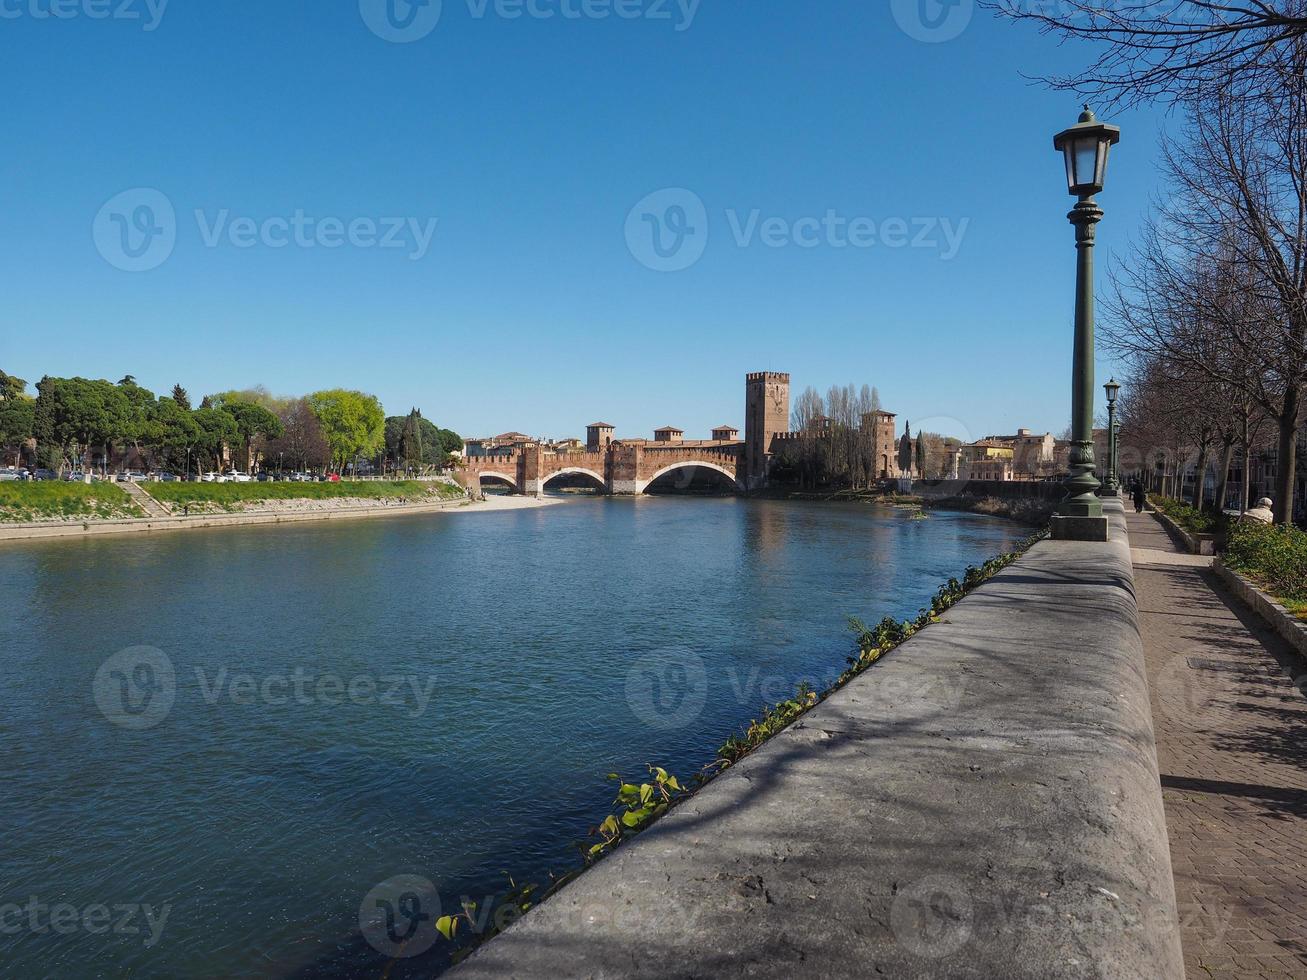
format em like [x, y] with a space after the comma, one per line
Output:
[831, 447]
[72, 421]
[1210, 307]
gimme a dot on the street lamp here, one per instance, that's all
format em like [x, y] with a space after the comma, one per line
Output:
[1110, 486]
[1085, 147]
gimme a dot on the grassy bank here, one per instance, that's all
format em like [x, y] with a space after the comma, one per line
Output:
[48, 500]
[233, 497]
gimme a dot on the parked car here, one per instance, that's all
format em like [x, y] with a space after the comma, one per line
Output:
[235, 476]
[209, 477]
[44, 474]
[11, 473]
[131, 476]
[167, 477]
[330, 478]
[75, 476]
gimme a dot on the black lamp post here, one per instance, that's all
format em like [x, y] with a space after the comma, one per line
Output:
[1111, 488]
[1085, 147]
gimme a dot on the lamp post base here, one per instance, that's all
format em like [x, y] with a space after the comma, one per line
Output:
[1078, 528]
[1109, 492]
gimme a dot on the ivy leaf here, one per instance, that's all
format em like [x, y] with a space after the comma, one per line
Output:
[447, 926]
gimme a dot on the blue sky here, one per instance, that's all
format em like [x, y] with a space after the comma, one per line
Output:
[529, 140]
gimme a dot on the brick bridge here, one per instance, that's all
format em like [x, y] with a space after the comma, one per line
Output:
[620, 468]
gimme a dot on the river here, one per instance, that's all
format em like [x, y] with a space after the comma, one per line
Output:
[218, 744]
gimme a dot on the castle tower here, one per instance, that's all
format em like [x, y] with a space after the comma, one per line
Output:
[884, 444]
[598, 436]
[766, 414]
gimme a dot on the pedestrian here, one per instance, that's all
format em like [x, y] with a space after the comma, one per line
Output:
[1263, 513]
[1139, 496]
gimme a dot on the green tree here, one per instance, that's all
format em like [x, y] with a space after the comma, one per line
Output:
[182, 397]
[353, 422]
[217, 431]
[17, 424]
[410, 441]
[74, 414]
[176, 432]
[921, 454]
[253, 422]
[450, 441]
[905, 450]
[11, 387]
[436, 443]
[138, 428]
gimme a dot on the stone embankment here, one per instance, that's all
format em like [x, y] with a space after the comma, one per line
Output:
[984, 803]
[283, 512]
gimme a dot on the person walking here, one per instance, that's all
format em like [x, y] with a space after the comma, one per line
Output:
[1140, 498]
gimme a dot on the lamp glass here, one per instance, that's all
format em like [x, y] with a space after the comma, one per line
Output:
[1086, 160]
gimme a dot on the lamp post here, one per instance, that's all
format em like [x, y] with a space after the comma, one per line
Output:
[1111, 488]
[1085, 147]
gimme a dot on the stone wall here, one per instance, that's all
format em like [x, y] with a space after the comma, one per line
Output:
[984, 803]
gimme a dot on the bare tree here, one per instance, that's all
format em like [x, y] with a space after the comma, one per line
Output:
[1175, 50]
[1218, 284]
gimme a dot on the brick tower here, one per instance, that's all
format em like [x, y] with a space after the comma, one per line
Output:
[766, 413]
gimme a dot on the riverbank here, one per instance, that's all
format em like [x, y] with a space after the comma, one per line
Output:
[290, 512]
[1029, 511]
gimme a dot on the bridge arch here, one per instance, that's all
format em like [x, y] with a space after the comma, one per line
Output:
[495, 475]
[575, 471]
[693, 464]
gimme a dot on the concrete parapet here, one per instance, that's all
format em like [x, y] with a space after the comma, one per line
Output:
[984, 803]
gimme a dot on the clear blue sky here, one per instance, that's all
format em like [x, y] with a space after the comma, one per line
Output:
[531, 140]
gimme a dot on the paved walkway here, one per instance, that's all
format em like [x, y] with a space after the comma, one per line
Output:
[1232, 749]
[147, 503]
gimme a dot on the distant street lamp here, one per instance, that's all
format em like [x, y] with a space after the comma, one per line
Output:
[1110, 487]
[1085, 147]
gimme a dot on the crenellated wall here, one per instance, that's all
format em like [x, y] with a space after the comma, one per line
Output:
[622, 468]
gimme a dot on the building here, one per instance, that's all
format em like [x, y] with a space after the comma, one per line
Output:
[499, 445]
[988, 459]
[884, 443]
[725, 433]
[598, 436]
[669, 433]
[766, 415]
[1032, 455]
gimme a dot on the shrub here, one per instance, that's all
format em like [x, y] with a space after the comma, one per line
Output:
[1274, 555]
[1190, 518]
